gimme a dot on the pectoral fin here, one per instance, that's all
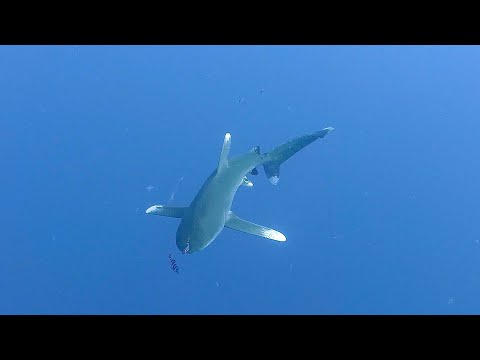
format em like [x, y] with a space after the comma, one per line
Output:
[163, 210]
[234, 222]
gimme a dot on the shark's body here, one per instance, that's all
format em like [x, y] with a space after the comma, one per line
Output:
[209, 212]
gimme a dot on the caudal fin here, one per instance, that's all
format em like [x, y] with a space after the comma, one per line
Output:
[285, 151]
[272, 170]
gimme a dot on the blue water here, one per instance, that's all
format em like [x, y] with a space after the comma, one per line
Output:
[381, 216]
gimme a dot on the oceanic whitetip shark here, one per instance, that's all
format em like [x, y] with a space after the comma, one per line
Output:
[209, 212]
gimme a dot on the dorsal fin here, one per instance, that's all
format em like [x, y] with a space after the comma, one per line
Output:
[223, 162]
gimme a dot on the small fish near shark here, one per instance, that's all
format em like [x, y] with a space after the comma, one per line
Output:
[210, 211]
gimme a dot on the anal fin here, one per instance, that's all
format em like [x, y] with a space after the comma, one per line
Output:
[236, 223]
[163, 210]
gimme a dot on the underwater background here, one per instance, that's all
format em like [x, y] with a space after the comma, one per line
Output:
[381, 216]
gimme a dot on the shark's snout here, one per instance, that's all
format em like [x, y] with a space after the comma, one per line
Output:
[186, 249]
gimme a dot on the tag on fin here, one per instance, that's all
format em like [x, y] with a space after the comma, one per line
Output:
[246, 182]
[256, 150]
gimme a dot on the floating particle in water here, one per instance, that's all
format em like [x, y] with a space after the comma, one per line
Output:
[451, 301]
[172, 195]
[150, 188]
[260, 92]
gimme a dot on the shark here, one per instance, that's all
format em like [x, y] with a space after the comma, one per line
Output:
[210, 210]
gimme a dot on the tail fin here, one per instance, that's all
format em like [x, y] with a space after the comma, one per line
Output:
[272, 170]
[285, 151]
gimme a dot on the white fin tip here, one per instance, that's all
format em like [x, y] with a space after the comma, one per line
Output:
[152, 209]
[275, 235]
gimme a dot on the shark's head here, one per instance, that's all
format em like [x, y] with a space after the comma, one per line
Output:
[184, 241]
[188, 241]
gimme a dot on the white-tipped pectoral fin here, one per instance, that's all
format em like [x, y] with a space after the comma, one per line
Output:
[170, 211]
[236, 223]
